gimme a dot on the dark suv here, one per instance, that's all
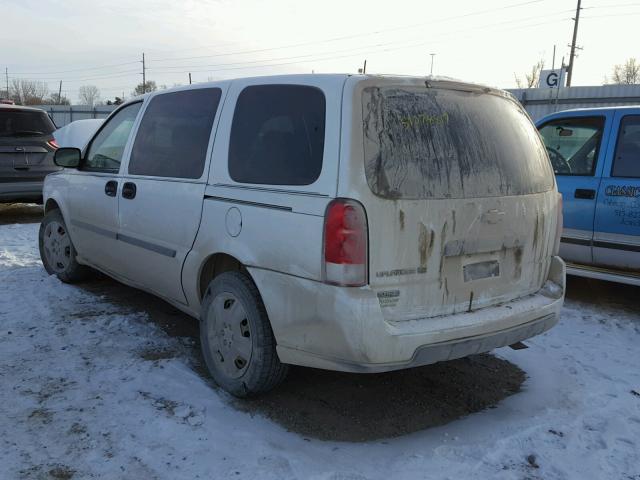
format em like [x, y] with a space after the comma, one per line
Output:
[26, 152]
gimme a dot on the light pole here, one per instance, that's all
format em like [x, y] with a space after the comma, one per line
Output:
[432, 55]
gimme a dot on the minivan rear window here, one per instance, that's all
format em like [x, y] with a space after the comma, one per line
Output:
[24, 123]
[424, 142]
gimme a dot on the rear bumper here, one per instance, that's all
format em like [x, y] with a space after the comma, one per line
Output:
[323, 326]
[428, 354]
[15, 191]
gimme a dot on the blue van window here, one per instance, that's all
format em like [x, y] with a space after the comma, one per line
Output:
[573, 144]
[627, 158]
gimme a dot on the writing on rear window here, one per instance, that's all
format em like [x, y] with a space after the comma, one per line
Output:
[425, 119]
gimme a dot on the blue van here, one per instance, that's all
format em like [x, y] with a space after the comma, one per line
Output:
[595, 154]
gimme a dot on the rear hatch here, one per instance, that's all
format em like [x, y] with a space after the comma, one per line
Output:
[25, 148]
[462, 204]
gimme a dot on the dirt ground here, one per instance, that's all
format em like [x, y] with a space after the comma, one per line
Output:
[19, 213]
[339, 406]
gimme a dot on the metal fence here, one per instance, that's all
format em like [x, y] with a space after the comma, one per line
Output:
[543, 101]
[64, 114]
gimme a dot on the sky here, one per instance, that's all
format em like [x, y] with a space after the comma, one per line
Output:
[100, 43]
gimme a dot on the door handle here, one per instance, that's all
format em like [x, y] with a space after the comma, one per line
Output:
[110, 188]
[129, 190]
[585, 193]
[21, 168]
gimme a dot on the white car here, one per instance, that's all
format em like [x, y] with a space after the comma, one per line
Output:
[77, 133]
[346, 222]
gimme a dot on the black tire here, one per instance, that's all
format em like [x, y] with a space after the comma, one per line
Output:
[241, 377]
[59, 259]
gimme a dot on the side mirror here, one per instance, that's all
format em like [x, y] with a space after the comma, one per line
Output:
[67, 157]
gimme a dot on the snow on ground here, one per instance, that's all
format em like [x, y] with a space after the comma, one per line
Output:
[80, 399]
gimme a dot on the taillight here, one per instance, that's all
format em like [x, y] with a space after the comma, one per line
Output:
[556, 245]
[345, 243]
[53, 144]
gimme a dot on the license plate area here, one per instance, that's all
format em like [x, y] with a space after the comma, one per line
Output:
[480, 270]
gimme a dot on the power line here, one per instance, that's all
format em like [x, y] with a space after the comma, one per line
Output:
[628, 14]
[306, 58]
[357, 35]
[421, 44]
[126, 73]
[327, 58]
[244, 52]
[618, 5]
[76, 70]
[355, 51]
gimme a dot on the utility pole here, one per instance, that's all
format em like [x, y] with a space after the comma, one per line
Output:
[6, 76]
[60, 93]
[144, 75]
[432, 55]
[189, 78]
[572, 55]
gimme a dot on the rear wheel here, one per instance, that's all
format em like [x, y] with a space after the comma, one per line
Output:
[236, 337]
[57, 251]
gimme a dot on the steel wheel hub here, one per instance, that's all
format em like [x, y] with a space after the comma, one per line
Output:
[57, 246]
[229, 335]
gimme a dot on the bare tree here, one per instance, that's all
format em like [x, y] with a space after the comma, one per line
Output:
[54, 99]
[88, 95]
[149, 86]
[626, 74]
[532, 78]
[28, 92]
[116, 101]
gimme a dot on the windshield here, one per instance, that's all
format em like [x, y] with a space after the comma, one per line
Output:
[438, 143]
[16, 123]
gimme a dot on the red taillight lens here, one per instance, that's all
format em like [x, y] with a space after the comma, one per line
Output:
[560, 220]
[345, 243]
[53, 144]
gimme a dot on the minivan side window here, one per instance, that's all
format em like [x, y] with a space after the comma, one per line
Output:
[573, 144]
[174, 134]
[107, 147]
[277, 135]
[626, 161]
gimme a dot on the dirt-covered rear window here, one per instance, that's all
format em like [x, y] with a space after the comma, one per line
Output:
[424, 142]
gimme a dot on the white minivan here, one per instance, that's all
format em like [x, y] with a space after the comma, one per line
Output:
[347, 222]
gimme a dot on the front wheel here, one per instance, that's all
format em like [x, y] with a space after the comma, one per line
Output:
[236, 337]
[57, 251]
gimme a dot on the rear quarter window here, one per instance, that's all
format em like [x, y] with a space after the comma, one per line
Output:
[626, 161]
[439, 143]
[277, 135]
